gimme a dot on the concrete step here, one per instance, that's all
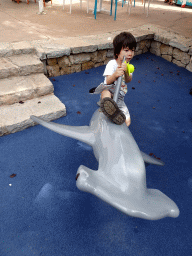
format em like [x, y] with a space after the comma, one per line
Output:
[22, 88]
[16, 117]
[20, 65]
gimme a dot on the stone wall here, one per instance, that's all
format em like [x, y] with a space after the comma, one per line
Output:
[172, 54]
[168, 45]
[83, 61]
[77, 62]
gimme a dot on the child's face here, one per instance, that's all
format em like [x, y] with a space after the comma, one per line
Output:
[127, 53]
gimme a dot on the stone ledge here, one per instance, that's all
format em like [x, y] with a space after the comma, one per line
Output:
[48, 49]
[24, 64]
[22, 48]
[22, 88]
[6, 49]
[49, 107]
[170, 38]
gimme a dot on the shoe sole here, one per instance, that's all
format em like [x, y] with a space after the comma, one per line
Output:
[110, 109]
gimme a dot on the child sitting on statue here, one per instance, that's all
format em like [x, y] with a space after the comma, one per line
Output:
[124, 46]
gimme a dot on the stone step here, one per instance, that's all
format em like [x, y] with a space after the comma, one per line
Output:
[16, 117]
[22, 88]
[20, 65]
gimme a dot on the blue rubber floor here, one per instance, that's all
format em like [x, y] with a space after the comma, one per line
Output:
[41, 210]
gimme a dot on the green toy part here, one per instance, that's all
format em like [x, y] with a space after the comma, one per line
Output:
[130, 68]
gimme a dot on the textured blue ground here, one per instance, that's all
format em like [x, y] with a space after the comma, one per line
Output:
[43, 212]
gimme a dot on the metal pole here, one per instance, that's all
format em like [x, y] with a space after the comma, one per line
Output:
[117, 90]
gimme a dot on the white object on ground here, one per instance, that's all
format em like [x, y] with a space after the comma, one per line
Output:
[41, 7]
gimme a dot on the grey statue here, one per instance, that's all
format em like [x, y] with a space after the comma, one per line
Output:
[121, 176]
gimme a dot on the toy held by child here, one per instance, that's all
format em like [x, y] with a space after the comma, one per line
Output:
[124, 46]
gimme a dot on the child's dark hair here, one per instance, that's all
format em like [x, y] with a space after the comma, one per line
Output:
[123, 40]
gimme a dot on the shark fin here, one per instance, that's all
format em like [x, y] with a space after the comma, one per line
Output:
[81, 133]
[151, 160]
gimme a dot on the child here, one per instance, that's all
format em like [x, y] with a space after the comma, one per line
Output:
[124, 45]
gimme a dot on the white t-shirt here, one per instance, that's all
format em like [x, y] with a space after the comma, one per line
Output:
[109, 70]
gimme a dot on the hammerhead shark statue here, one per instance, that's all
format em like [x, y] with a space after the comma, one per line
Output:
[121, 176]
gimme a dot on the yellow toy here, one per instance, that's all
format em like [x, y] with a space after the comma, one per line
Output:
[130, 68]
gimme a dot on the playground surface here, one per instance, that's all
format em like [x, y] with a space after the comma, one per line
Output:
[43, 212]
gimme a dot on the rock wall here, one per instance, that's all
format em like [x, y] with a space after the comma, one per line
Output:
[83, 61]
[98, 50]
[172, 54]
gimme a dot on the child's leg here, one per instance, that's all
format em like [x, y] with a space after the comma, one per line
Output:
[125, 111]
[105, 94]
[128, 121]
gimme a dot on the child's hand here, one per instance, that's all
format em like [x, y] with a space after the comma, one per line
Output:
[124, 66]
[119, 71]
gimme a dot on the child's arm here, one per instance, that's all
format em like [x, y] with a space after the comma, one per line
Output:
[121, 70]
[128, 78]
[112, 78]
